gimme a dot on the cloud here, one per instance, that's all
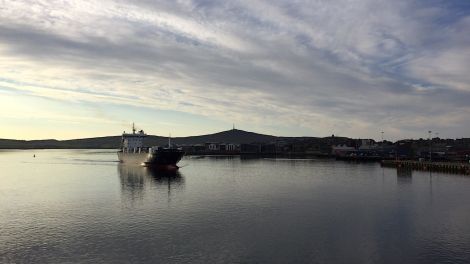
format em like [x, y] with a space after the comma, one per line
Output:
[350, 68]
[447, 64]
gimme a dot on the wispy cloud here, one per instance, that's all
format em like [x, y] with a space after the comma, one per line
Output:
[323, 66]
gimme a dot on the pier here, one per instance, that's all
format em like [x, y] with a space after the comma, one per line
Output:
[449, 167]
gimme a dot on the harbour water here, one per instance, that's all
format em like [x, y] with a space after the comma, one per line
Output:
[82, 206]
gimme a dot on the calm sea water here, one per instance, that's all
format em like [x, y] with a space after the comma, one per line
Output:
[80, 206]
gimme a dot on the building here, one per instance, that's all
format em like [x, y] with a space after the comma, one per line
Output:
[212, 146]
[341, 150]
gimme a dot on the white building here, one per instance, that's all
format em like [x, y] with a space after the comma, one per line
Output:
[341, 149]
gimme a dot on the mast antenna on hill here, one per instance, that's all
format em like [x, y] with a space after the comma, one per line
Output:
[233, 126]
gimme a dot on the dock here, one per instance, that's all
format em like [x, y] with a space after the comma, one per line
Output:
[449, 167]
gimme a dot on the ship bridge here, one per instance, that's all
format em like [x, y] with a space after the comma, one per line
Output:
[133, 142]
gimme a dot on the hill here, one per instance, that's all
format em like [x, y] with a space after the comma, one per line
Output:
[233, 136]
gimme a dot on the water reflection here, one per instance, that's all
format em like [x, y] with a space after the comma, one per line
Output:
[136, 180]
[228, 211]
[404, 175]
[222, 157]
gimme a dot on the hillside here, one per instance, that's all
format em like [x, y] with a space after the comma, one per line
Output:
[232, 136]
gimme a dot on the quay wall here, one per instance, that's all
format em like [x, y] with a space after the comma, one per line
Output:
[450, 167]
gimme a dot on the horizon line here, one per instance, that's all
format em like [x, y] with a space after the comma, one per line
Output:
[379, 140]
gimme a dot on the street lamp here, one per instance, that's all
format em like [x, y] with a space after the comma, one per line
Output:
[430, 149]
[382, 144]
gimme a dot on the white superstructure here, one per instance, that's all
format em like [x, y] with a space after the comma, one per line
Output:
[133, 143]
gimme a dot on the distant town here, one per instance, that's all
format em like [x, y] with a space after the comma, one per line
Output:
[239, 142]
[435, 149]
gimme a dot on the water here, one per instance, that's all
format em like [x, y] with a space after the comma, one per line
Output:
[82, 206]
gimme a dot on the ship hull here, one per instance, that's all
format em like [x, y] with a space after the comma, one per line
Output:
[165, 158]
[132, 158]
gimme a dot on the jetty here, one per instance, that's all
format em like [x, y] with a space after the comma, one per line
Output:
[449, 167]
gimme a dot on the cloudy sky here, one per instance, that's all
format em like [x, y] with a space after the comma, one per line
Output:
[71, 69]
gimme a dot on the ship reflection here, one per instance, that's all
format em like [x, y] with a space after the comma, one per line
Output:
[137, 181]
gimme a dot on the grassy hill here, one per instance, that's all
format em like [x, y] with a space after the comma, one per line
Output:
[229, 136]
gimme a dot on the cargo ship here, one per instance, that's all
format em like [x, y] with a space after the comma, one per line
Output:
[133, 151]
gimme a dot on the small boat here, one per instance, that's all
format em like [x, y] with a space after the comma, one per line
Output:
[132, 151]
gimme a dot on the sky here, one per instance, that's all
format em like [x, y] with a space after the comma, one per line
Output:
[74, 69]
